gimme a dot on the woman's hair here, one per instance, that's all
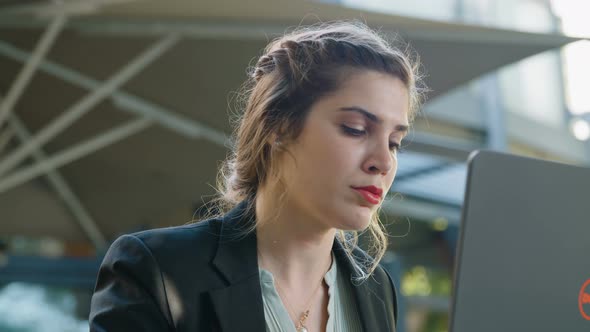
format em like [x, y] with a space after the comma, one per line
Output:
[294, 72]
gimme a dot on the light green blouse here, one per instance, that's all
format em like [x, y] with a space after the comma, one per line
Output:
[342, 311]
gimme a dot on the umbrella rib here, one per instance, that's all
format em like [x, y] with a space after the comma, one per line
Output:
[87, 103]
[73, 153]
[5, 137]
[26, 74]
[63, 189]
[126, 101]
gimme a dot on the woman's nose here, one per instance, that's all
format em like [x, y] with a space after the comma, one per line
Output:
[380, 159]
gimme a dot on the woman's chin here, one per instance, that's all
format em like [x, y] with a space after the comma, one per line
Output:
[357, 221]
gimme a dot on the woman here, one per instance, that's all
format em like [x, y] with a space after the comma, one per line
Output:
[315, 154]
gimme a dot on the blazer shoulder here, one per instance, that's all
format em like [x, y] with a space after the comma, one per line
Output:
[201, 236]
[172, 249]
[155, 273]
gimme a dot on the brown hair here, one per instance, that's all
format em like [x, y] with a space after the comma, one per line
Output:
[294, 72]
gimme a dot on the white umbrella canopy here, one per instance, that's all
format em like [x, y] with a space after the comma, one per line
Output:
[158, 174]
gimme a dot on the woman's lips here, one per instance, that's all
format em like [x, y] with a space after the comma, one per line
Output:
[369, 196]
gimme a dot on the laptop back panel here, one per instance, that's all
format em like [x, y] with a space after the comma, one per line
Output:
[524, 250]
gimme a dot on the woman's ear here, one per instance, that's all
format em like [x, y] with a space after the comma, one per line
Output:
[274, 139]
[277, 137]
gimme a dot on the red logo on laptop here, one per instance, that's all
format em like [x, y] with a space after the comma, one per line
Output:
[584, 300]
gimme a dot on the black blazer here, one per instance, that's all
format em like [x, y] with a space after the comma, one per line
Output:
[204, 277]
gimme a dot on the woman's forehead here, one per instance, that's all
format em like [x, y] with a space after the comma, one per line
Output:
[378, 96]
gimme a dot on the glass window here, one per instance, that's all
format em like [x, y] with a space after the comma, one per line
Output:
[574, 22]
[533, 88]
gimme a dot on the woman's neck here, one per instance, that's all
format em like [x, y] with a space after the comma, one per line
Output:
[295, 248]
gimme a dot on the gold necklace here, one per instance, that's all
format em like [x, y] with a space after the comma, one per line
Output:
[300, 326]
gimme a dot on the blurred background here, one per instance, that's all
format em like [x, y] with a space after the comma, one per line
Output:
[114, 118]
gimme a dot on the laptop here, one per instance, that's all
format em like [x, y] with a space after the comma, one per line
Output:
[523, 257]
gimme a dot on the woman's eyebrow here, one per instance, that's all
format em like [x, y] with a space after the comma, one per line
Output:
[374, 118]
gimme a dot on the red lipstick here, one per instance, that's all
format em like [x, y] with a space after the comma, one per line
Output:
[371, 194]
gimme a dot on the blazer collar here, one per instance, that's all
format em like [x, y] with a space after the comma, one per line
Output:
[236, 257]
[239, 306]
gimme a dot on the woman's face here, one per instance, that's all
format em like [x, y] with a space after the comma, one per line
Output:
[346, 155]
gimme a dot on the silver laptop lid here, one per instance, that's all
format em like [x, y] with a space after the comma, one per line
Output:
[523, 257]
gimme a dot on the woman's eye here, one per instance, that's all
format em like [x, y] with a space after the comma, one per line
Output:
[395, 147]
[353, 131]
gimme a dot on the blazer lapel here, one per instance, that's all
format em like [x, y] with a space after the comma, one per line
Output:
[371, 309]
[238, 306]
[370, 305]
